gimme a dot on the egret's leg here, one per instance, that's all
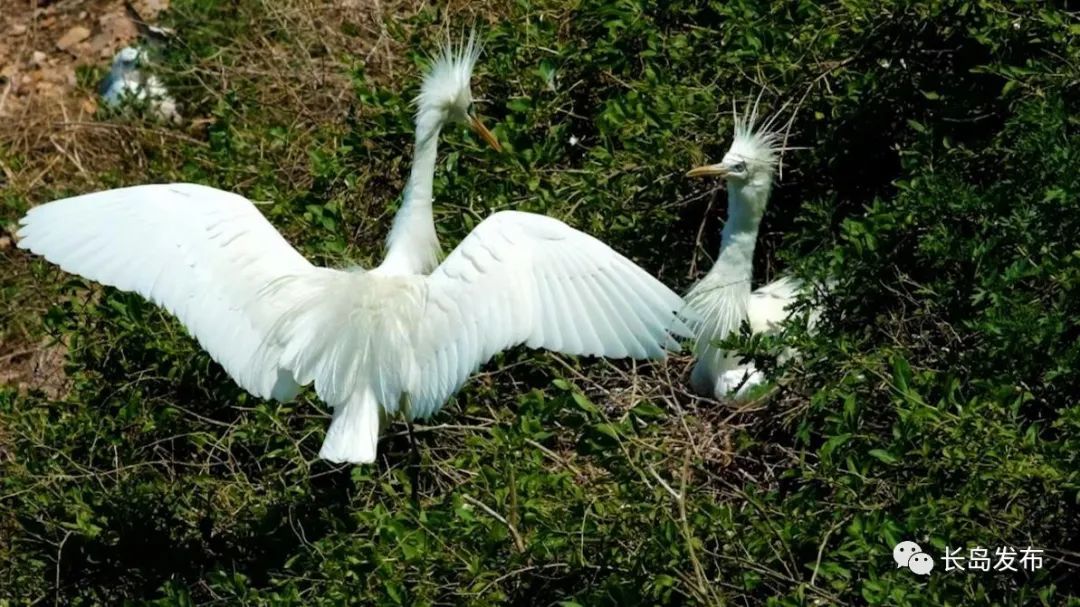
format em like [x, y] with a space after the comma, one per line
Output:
[414, 458]
[406, 414]
[412, 441]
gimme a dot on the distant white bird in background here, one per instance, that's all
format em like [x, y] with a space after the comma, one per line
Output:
[127, 83]
[375, 343]
[723, 298]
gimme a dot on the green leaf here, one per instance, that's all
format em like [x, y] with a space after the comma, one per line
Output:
[883, 455]
[647, 410]
[901, 373]
[585, 404]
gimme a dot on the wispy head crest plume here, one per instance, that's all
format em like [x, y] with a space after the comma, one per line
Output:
[763, 144]
[446, 78]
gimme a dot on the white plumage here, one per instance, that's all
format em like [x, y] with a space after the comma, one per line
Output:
[723, 299]
[374, 343]
[199, 252]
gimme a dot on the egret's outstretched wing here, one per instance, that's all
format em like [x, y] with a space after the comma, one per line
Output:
[201, 253]
[524, 278]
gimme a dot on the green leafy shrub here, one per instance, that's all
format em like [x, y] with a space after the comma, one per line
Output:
[936, 401]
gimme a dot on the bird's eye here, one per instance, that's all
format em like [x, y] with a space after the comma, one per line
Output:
[740, 167]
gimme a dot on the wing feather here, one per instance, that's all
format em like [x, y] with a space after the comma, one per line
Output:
[201, 253]
[569, 310]
[599, 322]
[629, 326]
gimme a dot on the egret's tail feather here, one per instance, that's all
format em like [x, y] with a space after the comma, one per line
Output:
[354, 434]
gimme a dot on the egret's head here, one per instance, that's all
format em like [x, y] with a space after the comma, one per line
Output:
[128, 59]
[753, 156]
[446, 95]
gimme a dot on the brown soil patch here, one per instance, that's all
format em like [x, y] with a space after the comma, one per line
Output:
[35, 368]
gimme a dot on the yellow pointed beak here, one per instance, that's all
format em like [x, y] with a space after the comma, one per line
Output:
[484, 133]
[708, 170]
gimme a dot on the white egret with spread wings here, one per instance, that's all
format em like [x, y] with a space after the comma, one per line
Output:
[375, 343]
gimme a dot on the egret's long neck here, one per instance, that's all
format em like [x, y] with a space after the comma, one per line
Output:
[720, 301]
[412, 246]
[735, 265]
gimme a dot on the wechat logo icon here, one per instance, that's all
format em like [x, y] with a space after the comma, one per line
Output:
[910, 555]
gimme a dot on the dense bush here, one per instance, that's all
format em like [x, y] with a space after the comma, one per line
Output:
[939, 197]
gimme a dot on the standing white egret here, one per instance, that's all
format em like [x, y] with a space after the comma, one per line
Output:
[723, 298]
[375, 342]
[128, 82]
